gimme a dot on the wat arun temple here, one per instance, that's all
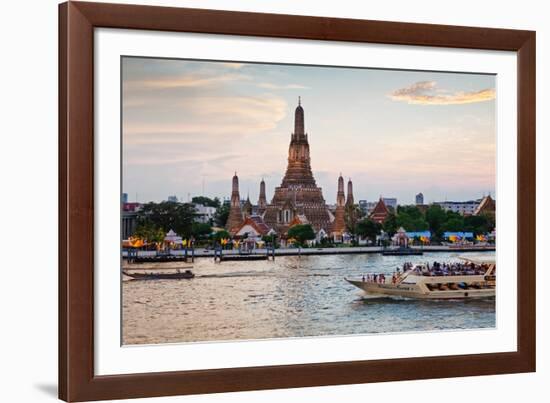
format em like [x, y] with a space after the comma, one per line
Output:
[298, 200]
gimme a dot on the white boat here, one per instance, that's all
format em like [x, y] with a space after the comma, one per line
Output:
[477, 281]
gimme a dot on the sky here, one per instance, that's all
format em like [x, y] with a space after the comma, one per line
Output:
[189, 125]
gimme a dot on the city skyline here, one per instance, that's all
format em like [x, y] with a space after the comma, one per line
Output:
[394, 133]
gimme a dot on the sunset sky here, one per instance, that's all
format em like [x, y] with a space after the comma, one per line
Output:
[189, 124]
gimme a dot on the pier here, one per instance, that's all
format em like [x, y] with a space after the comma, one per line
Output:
[243, 255]
[188, 255]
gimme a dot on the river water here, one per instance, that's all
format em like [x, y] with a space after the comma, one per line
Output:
[289, 297]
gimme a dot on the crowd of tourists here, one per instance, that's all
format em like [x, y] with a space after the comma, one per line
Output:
[435, 269]
[448, 269]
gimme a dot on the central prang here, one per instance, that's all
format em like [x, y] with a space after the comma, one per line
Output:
[298, 200]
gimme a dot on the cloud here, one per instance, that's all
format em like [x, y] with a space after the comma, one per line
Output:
[185, 81]
[271, 86]
[208, 117]
[427, 93]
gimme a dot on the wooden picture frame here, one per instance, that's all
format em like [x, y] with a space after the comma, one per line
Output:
[77, 21]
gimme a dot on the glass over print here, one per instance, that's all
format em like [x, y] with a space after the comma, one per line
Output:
[269, 200]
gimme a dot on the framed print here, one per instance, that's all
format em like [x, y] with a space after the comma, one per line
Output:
[257, 201]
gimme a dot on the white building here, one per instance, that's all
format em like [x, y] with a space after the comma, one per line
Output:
[204, 214]
[461, 207]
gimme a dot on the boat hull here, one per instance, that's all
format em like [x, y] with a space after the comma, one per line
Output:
[159, 276]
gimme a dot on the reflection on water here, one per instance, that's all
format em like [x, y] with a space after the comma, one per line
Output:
[290, 297]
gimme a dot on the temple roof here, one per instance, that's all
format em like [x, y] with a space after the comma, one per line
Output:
[487, 205]
[256, 222]
[298, 220]
[380, 212]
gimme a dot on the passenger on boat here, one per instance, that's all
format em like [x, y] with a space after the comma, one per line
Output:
[446, 269]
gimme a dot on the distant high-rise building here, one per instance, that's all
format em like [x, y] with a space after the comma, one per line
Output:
[367, 206]
[363, 206]
[419, 198]
[173, 199]
[124, 198]
[390, 202]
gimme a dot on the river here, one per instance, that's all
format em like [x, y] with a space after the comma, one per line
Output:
[289, 297]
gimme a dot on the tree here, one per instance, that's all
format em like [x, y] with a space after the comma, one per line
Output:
[368, 229]
[221, 215]
[390, 224]
[479, 224]
[454, 222]
[271, 240]
[206, 201]
[168, 215]
[149, 232]
[223, 234]
[352, 215]
[411, 219]
[200, 230]
[302, 233]
[436, 217]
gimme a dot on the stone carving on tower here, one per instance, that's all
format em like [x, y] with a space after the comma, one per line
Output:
[235, 213]
[298, 193]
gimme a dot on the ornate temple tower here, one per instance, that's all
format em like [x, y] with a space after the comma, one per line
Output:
[247, 207]
[262, 200]
[350, 201]
[340, 195]
[298, 193]
[235, 214]
[339, 224]
[298, 171]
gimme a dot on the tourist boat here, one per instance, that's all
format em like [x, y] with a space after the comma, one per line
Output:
[423, 284]
[174, 275]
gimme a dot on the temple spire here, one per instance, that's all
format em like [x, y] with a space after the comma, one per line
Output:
[235, 213]
[350, 201]
[299, 131]
[340, 196]
[298, 171]
[262, 200]
[339, 223]
[235, 184]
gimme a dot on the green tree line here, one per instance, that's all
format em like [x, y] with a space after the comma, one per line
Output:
[412, 219]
